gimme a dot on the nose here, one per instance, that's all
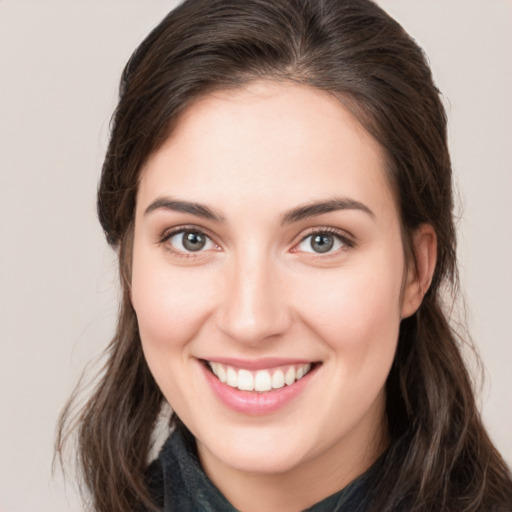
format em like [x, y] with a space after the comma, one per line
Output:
[254, 307]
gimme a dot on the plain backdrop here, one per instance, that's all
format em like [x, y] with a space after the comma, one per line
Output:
[60, 62]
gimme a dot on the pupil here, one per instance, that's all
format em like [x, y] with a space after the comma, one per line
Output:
[193, 241]
[322, 243]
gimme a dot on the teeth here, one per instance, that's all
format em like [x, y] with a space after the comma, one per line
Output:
[278, 379]
[245, 380]
[289, 377]
[261, 380]
[221, 373]
[231, 378]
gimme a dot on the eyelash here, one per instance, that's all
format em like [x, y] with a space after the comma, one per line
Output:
[346, 241]
[169, 233]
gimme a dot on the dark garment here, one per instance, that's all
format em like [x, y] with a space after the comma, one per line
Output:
[178, 484]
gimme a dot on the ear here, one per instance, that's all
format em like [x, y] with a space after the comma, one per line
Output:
[420, 269]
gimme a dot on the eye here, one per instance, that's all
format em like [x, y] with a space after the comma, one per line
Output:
[322, 242]
[190, 241]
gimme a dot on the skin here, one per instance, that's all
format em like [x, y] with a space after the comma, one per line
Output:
[258, 289]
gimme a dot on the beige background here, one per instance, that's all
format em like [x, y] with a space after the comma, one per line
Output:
[59, 66]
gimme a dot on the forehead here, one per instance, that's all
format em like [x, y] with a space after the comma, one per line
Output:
[270, 143]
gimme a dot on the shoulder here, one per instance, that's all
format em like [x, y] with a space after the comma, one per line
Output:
[177, 483]
[164, 476]
[155, 482]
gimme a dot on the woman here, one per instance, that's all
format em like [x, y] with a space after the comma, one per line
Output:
[278, 186]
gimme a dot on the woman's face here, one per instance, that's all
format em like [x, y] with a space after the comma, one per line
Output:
[268, 273]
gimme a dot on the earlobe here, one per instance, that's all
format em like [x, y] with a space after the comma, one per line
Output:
[420, 269]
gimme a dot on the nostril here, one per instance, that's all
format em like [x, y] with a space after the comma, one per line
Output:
[254, 326]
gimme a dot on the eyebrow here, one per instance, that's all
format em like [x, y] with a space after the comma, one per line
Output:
[295, 215]
[193, 208]
[320, 207]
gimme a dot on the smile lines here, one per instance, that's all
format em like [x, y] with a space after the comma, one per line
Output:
[261, 380]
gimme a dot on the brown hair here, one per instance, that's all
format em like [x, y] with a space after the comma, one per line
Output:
[440, 457]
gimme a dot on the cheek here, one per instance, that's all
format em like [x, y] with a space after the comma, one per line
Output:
[356, 314]
[170, 312]
[170, 303]
[356, 309]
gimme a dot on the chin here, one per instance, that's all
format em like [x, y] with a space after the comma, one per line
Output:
[262, 462]
[256, 453]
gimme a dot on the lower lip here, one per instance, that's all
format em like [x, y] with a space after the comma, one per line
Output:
[253, 402]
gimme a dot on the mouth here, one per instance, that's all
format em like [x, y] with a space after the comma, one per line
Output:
[259, 387]
[261, 380]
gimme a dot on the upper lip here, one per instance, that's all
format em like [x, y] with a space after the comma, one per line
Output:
[257, 364]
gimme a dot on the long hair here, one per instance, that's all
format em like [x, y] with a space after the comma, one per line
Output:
[440, 457]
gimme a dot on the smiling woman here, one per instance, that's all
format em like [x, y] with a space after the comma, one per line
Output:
[283, 323]
[278, 186]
